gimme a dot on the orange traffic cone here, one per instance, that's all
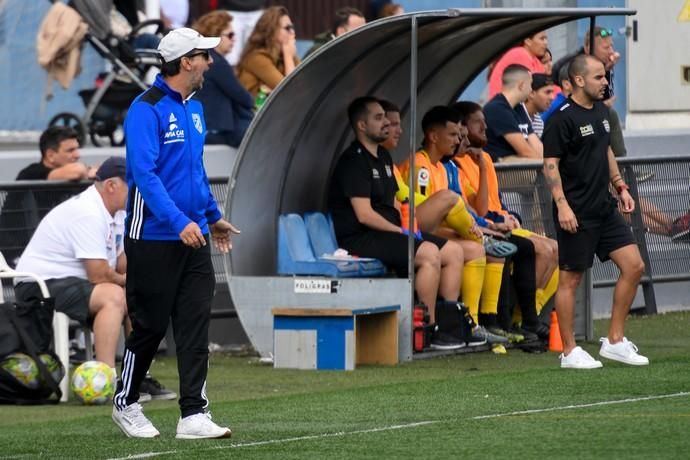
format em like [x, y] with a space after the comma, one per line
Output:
[555, 341]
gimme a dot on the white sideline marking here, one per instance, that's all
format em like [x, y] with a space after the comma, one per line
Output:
[580, 406]
[298, 438]
[416, 424]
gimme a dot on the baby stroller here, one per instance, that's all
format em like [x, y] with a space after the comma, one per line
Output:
[107, 103]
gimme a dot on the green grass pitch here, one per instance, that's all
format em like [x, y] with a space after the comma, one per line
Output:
[479, 405]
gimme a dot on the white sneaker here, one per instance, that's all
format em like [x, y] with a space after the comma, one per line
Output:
[624, 351]
[134, 423]
[200, 426]
[579, 359]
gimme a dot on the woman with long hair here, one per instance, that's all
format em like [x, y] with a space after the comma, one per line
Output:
[228, 107]
[271, 52]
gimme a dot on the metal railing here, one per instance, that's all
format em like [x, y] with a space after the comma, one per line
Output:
[661, 189]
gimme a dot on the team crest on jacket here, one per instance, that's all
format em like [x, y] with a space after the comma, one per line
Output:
[197, 122]
[423, 177]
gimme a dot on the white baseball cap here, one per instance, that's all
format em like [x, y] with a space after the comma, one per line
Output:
[181, 41]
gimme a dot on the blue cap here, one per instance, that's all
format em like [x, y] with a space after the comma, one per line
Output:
[112, 167]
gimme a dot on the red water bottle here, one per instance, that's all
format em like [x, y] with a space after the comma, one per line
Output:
[405, 216]
[420, 323]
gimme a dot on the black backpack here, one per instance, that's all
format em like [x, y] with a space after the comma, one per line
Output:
[27, 328]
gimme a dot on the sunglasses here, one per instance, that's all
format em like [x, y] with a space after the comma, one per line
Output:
[230, 35]
[290, 27]
[205, 53]
[603, 33]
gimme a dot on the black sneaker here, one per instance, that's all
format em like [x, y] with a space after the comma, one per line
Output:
[442, 341]
[153, 387]
[512, 336]
[540, 329]
[527, 335]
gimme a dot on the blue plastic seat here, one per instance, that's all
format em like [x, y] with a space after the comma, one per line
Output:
[322, 238]
[296, 257]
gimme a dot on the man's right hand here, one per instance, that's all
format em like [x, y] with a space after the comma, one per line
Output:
[566, 217]
[191, 236]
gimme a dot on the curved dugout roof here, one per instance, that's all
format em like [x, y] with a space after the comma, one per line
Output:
[286, 159]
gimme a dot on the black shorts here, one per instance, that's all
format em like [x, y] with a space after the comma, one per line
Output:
[576, 250]
[389, 247]
[71, 294]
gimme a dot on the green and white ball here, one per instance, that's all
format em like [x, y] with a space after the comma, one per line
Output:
[54, 366]
[93, 383]
[23, 368]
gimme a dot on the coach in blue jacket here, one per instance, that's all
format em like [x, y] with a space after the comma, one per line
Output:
[170, 212]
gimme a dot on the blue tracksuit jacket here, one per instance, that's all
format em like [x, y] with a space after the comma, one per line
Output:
[168, 186]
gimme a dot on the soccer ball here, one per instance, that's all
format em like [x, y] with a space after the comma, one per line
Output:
[54, 366]
[23, 368]
[93, 382]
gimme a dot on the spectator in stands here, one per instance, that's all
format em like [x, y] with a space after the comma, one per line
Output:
[271, 52]
[174, 13]
[77, 250]
[345, 20]
[368, 223]
[539, 100]
[22, 210]
[60, 156]
[562, 95]
[481, 282]
[547, 62]
[579, 168]
[479, 184]
[245, 15]
[227, 105]
[390, 9]
[528, 54]
[120, 26]
[510, 133]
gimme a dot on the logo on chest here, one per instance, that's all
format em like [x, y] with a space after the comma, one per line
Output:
[174, 133]
[375, 173]
[607, 127]
[423, 177]
[586, 130]
[197, 122]
[524, 129]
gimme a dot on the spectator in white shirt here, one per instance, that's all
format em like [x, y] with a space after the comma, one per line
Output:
[77, 250]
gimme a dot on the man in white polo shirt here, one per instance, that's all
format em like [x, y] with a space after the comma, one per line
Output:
[78, 251]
